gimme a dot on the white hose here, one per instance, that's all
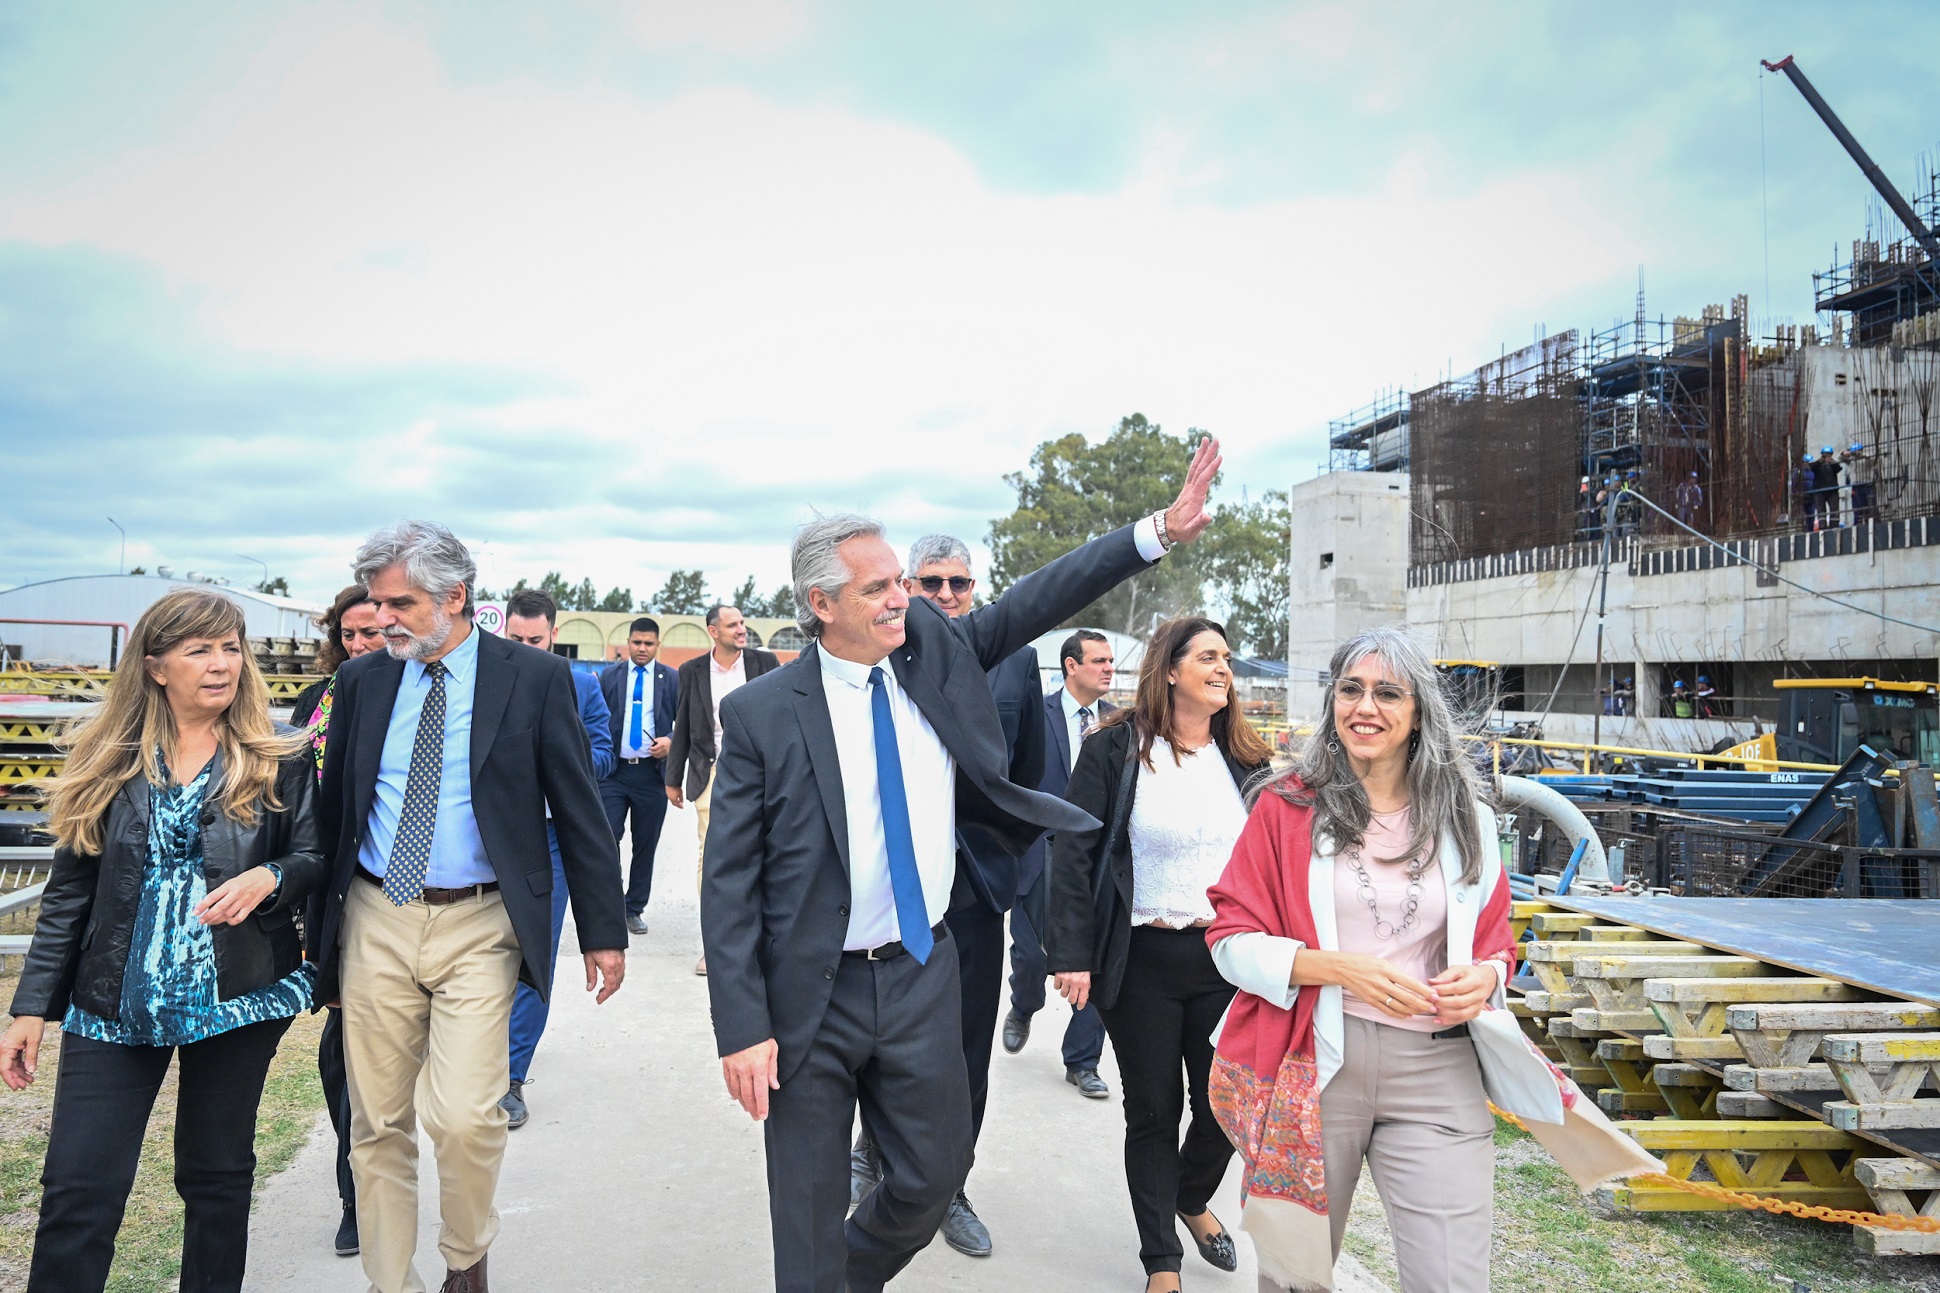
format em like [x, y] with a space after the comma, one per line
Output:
[1534, 796]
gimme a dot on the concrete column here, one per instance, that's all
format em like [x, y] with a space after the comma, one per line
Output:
[1650, 697]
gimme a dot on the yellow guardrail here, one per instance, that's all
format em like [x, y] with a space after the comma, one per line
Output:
[1587, 749]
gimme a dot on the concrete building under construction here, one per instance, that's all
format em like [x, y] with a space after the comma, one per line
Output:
[1738, 550]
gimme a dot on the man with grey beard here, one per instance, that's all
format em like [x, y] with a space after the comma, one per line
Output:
[445, 750]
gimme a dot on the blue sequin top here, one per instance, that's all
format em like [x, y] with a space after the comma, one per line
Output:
[168, 997]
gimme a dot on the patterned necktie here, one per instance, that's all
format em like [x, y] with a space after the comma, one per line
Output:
[1084, 720]
[912, 912]
[411, 850]
[639, 689]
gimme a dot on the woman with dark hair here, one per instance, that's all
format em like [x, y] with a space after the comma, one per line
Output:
[185, 837]
[1165, 778]
[349, 630]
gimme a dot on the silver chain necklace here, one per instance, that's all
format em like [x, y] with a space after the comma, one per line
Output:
[1410, 911]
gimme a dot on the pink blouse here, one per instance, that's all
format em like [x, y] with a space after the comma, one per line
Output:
[1419, 951]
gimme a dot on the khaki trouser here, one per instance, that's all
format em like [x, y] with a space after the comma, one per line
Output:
[1413, 1106]
[702, 804]
[425, 990]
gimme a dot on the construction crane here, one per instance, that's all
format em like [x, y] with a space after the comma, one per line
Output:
[1899, 205]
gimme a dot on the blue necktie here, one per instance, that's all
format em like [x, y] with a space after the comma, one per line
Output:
[411, 849]
[639, 685]
[912, 913]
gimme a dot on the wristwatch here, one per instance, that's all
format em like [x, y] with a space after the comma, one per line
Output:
[1158, 524]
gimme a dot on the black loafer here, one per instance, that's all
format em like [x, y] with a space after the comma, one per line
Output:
[1017, 1031]
[963, 1230]
[865, 1171]
[636, 923]
[1218, 1250]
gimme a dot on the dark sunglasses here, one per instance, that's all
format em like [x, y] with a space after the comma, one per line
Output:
[933, 584]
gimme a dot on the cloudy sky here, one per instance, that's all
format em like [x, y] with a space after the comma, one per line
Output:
[617, 287]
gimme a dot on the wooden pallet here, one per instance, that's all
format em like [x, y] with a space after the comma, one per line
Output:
[1693, 1011]
[1804, 1161]
[1892, 1183]
[1882, 1075]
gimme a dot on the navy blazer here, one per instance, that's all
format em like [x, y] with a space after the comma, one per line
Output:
[616, 685]
[593, 717]
[1057, 775]
[987, 869]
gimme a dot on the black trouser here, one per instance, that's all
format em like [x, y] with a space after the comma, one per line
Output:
[336, 1098]
[1084, 1036]
[639, 788]
[978, 933]
[102, 1100]
[1167, 1007]
[891, 1042]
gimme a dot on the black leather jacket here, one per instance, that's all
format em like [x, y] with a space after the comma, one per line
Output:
[87, 913]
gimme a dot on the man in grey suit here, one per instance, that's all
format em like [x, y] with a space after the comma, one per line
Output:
[839, 787]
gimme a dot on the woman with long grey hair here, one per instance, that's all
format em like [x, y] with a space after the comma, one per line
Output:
[1364, 917]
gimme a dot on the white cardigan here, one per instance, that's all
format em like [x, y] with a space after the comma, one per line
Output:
[1262, 963]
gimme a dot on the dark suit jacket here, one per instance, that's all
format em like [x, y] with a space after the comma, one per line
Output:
[775, 897]
[691, 756]
[528, 750]
[1057, 774]
[1090, 915]
[987, 871]
[616, 686]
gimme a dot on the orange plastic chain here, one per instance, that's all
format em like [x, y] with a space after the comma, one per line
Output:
[1810, 1211]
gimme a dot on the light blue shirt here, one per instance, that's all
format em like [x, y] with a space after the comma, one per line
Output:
[457, 851]
[642, 676]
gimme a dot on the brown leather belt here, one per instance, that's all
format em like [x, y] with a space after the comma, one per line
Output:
[436, 897]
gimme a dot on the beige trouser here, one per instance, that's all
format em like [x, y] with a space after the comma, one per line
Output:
[1414, 1108]
[702, 804]
[425, 990]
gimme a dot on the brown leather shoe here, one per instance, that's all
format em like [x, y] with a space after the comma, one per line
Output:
[471, 1280]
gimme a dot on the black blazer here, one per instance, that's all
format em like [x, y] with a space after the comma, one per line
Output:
[775, 896]
[1056, 776]
[87, 913]
[987, 872]
[616, 687]
[528, 749]
[1091, 895]
[690, 759]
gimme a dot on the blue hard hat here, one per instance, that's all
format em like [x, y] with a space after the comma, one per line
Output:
[1704, 677]
[1856, 447]
[1827, 449]
[1678, 685]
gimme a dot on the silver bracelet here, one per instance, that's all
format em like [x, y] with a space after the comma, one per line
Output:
[1158, 523]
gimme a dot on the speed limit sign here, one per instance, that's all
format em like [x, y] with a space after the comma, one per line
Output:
[489, 616]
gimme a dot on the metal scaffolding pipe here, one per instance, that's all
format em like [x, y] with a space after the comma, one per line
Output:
[1535, 797]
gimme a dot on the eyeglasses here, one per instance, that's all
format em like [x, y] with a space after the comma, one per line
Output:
[1386, 694]
[933, 584]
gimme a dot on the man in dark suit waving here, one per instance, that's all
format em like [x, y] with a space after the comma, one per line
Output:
[1070, 713]
[445, 751]
[640, 696]
[841, 782]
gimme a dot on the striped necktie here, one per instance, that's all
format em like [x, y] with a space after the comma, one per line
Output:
[411, 849]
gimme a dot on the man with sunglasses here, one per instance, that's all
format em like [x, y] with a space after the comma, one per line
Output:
[986, 881]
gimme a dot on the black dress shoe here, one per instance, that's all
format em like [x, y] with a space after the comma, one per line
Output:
[636, 923]
[346, 1243]
[1017, 1031]
[1089, 1084]
[865, 1171]
[963, 1231]
[1218, 1250]
[513, 1102]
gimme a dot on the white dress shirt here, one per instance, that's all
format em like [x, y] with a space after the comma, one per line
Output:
[627, 749]
[722, 682]
[1186, 817]
[1072, 734]
[929, 781]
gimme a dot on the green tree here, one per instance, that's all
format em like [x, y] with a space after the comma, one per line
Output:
[1076, 491]
[746, 600]
[685, 594]
[279, 586]
[1246, 555]
[782, 605]
[585, 597]
[617, 599]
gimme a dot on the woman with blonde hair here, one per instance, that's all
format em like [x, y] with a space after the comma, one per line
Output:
[1165, 778]
[185, 840]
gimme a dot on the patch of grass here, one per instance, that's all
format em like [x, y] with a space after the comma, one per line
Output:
[148, 1249]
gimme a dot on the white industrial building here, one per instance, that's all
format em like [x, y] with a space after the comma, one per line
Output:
[109, 605]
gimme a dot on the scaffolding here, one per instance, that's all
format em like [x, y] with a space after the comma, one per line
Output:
[1889, 286]
[1373, 437]
[1489, 453]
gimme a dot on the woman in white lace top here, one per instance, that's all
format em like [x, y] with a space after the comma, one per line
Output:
[1128, 920]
